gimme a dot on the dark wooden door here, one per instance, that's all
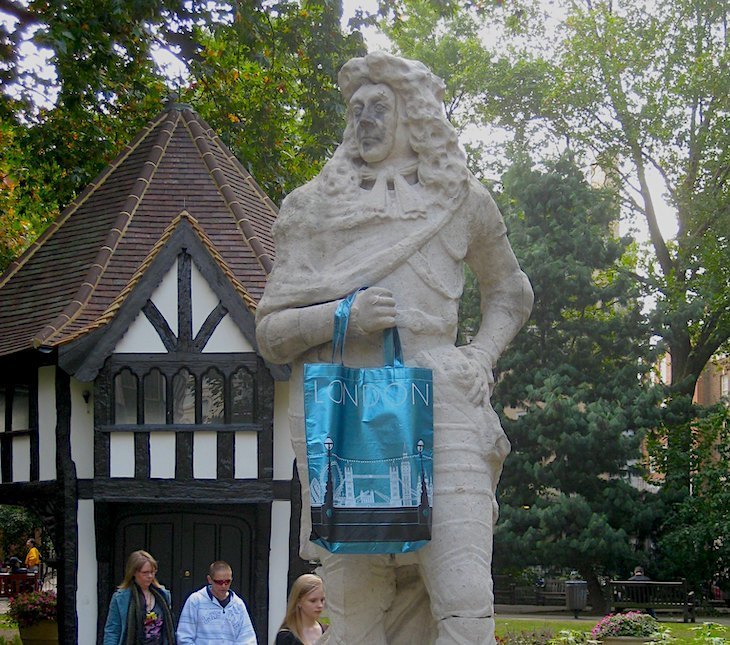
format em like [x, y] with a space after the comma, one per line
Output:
[185, 542]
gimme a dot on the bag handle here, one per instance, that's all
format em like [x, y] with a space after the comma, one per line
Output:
[392, 350]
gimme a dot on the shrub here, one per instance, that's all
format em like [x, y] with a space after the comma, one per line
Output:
[632, 623]
[30, 608]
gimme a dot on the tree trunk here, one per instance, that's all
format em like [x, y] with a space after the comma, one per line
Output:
[596, 599]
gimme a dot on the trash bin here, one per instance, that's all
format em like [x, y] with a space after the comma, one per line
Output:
[576, 595]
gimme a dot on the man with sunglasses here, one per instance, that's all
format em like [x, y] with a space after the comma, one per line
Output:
[215, 614]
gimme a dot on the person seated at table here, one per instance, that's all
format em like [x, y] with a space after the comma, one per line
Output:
[14, 563]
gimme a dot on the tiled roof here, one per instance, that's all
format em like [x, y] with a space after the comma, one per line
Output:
[76, 275]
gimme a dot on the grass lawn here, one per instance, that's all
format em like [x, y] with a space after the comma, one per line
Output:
[683, 632]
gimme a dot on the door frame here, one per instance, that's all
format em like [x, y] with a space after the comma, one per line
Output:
[110, 516]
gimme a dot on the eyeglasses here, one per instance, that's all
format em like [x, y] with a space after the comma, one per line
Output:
[222, 582]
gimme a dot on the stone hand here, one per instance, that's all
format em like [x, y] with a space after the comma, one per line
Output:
[372, 311]
[483, 376]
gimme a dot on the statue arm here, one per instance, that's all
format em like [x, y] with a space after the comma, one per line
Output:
[285, 334]
[506, 294]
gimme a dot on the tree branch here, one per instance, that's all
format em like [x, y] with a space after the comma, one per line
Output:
[23, 15]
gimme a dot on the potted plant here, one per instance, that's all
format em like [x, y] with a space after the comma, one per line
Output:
[35, 613]
[630, 627]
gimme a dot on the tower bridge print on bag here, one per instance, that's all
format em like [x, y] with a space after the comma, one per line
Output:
[387, 499]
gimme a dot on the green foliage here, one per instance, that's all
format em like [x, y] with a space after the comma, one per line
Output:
[448, 41]
[15, 640]
[32, 607]
[16, 525]
[262, 74]
[631, 623]
[695, 543]
[574, 372]
[267, 85]
[638, 92]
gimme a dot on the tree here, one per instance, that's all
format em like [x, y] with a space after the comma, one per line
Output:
[641, 92]
[18, 524]
[263, 74]
[570, 389]
[644, 89]
[695, 542]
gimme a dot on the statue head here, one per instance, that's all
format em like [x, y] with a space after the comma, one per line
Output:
[413, 123]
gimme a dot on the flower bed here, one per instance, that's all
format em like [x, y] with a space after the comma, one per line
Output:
[33, 607]
[632, 623]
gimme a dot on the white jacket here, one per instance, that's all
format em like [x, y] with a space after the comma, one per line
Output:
[204, 622]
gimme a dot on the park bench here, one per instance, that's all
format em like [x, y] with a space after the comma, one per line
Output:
[11, 584]
[552, 592]
[649, 594]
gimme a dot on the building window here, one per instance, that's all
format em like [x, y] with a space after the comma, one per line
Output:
[213, 397]
[15, 407]
[211, 390]
[242, 399]
[183, 397]
[125, 398]
[155, 397]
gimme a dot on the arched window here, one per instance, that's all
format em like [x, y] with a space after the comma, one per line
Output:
[155, 397]
[213, 400]
[218, 392]
[125, 397]
[242, 398]
[183, 397]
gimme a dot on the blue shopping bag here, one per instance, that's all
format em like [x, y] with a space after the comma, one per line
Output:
[369, 449]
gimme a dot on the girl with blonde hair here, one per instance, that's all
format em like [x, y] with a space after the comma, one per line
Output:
[301, 624]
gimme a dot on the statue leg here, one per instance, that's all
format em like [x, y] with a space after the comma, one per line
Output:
[456, 564]
[359, 589]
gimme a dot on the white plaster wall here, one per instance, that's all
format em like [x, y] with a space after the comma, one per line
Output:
[203, 297]
[82, 429]
[47, 422]
[246, 460]
[227, 337]
[205, 455]
[165, 298]
[21, 459]
[141, 337]
[278, 564]
[86, 597]
[121, 447]
[162, 455]
[283, 452]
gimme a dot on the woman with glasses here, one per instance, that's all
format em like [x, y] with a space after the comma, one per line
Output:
[215, 614]
[139, 612]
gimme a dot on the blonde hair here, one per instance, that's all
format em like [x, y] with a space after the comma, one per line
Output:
[303, 585]
[135, 561]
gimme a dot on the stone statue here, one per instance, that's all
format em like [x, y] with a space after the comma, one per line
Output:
[396, 210]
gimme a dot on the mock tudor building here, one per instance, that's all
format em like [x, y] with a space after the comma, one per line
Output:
[136, 411]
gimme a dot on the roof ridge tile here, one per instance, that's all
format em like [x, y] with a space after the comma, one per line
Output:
[200, 138]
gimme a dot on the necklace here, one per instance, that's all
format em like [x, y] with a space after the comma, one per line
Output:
[149, 600]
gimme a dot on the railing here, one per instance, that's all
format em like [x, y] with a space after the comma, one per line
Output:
[11, 584]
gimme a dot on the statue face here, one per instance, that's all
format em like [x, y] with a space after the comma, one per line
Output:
[374, 110]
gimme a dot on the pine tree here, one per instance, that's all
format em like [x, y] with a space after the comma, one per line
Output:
[570, 388]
